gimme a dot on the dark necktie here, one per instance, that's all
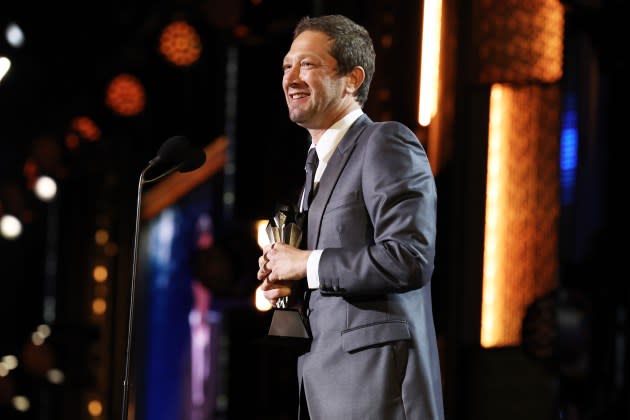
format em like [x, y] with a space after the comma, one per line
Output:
[311, 166]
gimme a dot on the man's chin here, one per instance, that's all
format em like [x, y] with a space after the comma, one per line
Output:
[298, 118]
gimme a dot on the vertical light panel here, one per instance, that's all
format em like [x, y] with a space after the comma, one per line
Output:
[520, 46]
[569, 149]
[492, 309]
[429, 61]
[522, 207]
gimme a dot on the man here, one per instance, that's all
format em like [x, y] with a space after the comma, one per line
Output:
[371, 240]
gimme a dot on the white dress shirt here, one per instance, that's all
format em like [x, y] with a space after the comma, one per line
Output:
[325, 148]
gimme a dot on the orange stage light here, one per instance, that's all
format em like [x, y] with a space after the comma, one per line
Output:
[180, 43]
[125, 95]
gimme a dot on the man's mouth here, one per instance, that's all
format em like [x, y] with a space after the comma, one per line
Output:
[298, 95]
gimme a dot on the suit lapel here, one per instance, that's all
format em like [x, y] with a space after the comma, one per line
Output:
[330, 176]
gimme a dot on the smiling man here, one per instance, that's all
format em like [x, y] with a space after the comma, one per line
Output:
[368, 258]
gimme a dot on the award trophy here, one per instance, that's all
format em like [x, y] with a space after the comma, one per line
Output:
[287, 320]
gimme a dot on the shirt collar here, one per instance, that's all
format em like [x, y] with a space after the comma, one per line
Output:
[329, 141]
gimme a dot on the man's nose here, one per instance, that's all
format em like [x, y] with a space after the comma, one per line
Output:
[292, 75]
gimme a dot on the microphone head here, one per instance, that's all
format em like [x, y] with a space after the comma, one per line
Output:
[174, 150]
[179, 154]
[196, 158]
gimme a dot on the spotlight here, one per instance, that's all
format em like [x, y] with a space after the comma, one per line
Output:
[10, 226]
[14, 35]
[86, 128]
[125, 95]
[5, 66]
[180, 43]
[45, 188]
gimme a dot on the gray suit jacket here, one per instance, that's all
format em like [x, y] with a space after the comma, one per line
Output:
[374, 353]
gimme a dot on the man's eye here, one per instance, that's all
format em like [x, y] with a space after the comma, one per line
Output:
[306, 64]
[286, 67]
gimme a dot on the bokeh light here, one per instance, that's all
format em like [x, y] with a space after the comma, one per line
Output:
[180, 43]
[125, 95]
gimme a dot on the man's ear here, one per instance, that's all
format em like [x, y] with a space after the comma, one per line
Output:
[356, 76]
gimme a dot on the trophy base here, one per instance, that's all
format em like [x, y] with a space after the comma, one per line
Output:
[288, 323]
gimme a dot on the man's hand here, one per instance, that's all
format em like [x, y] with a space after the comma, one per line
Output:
[279, 266]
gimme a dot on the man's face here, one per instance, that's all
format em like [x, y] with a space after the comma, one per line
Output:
[315, 94]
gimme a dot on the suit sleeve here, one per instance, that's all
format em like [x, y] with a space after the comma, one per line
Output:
[399, 196]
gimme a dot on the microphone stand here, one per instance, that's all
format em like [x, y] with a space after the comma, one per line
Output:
[141, 182]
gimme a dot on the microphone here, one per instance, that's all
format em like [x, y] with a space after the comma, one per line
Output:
[181, 156]
[194, 159]
[177, 152]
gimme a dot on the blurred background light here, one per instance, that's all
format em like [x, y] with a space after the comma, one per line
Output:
[101, 237]
[100, 273]
[99, 306]
[95, 408]
[55, 376]
[86, 128]
[261, 233]
[10, 361]
[21, 403]
[45, 188]
[430, 61]
[125, 95]
[5, 66]
[44, 330]
[261, 302]
[10, 226]
[180, 43]
[14, 35]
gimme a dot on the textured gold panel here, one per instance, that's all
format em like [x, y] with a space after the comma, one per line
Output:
[518, 41]
[522, 207]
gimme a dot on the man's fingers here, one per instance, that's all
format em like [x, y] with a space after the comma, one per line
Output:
[262, 260]
[272, 285]
[277, 293]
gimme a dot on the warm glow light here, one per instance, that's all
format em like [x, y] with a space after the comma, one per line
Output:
[5, 66]
[519, 41]
[31, 170]
[55, 376]
[101, 237]
[520, 237]
[100, 273]
[95, 408]
[261, 233]
[125, 95]
[37, 338]
[241, 31]
[10, 362]
[21, 403]
[430, 61]
[489, 309]
[10, 226]
[261, 302]
[99, 306]
[86, 128]
[180, 44]
[111, 249]
[45, 188]
[72, 141]
[44, 330]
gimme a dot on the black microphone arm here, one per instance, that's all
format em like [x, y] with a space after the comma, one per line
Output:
[177, 152]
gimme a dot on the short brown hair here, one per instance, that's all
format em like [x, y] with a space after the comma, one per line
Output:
[351, 46]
